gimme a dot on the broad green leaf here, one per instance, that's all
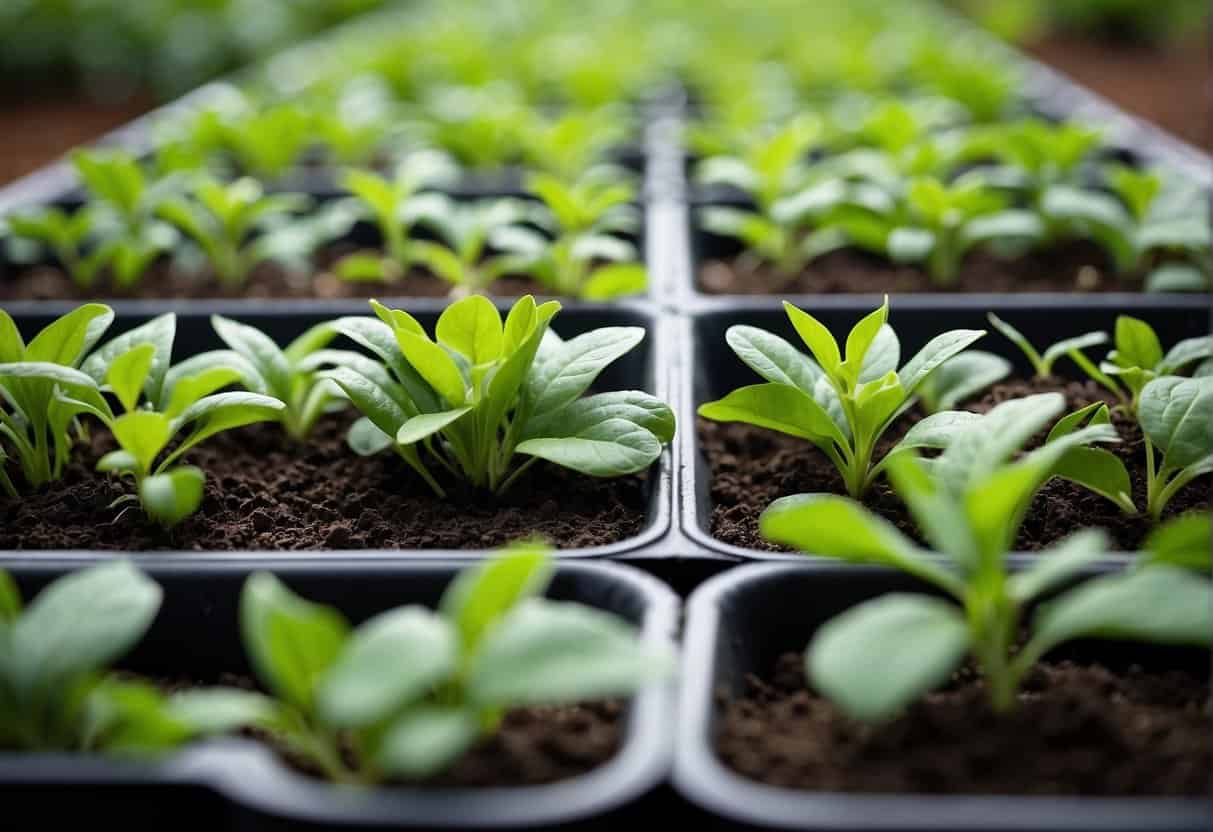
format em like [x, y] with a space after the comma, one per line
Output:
[129, 716]
[960, 378]
[1099, 471]
[47, 371]
[128, 372]
[365, 439]
[934, 431]
[427, 424]
[940, 518]
[190, 389]
[80, 624]
[1185, 541]
[910, 245]
[519, 324]
[1175, 413]
[435, 365]
[472, 327]
[371, 400]
[171, 497]
[882, 356]
[118, 462]
[1176, 277]
[609, 448]
[143, 434]
[641, 409]
[816, 337]
[478, 597]
[1158, 604]
[224, 411]
[545, 652]
[1058, 563]
[778, 407]
[259, 350]
[564, 375]
[389, 662]
[12, 347]
[835, 527]
[1136, 343]
[881, 655]
[1185, 352]
[938, 350]
[974, 453]
[425, 740]
[65, 340]
[860, 339]
[615, 280]
[221, 710]
[380, 339]
[514, 372]
[773, 358]
[1069, 345]
[365, 268]
[291, 642]
[159, 331]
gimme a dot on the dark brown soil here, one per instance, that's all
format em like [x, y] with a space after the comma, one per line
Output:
[269, 280]
[751, 467]
[1078, 730]
[1073, 267]
[1170, 87]
[264, 492]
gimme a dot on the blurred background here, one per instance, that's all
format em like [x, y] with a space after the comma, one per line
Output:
[74, 69]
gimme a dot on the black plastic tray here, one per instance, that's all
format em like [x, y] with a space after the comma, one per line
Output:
[740, 622]
[234, 783]
[647, 368]
[713, 370]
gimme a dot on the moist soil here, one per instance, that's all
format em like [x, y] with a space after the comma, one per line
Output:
[268, 280]
[1077, 266]
[264, 491]
[1169, 86]
[751, 467]
[1077, 730]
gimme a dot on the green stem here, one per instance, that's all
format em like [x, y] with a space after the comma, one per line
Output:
[505, 486]
[1152, 502]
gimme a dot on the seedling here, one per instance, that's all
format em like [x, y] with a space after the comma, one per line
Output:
[773, 165]
[224, 221]
[408, 692]
[1186, 541]
[392, 207]
[35, 424]
[466, 232]
[56, 690]
[878, 657]
[65, 236]
[843, 406]
[1043, 363]
[483, 393]
[572, 143]
[960, 378]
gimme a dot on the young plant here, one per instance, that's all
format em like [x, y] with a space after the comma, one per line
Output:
[225, 219]
[391, 204]
[1186, 541]
[878, 657]
[773, 165]
[65, 236]
[56, 690]
[467, 231]
[1042, 363]
[483, 393]
[583, 256]
[409, 691]
[960, 378]
[1173, 413]
[572, 143]
[841, 405]
[35, 424]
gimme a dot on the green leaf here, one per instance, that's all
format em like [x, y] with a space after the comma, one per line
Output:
[159, 331]
[974, 454]
[1157, 604]
[882, 356]
[934, 431]
[427, 424]
[830, 526]
[478, 597]
[1185, 541]
[778, 407]
[609, 448]
[390, 661]
[860, 339]
[816, 337]
[291, 643]
[10, 598]
[221, 710]
[1068, 346]
[558, 653]
[881, 655]
[259, 350]
[557, 379]
[223, 411]
[614, 281]
[12, 348]
[435, 365]
[143, 434]
[128, 372]
[938, 350]
[365, 268]
[911, 245]
[380, 339]
[66, 339]
[773, 358]
[80, 624]
[472, 327]
[190, 389]
[1174, 414]
[1100, 471]
[425, 740]
[118, 462]
[960, 378]
[171, 497]
[519, 324]
[1185, 352]
[639, 408]
[1058, 563]
[1136, 343]
[1176, 277]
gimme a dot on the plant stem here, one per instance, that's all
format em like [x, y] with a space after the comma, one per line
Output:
[505, 486]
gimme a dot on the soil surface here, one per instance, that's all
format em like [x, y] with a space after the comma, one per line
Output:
[1170, 87]
[1077, 730]
[35, 130]
[265, 492]
[1074, 267]
[751, 467]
